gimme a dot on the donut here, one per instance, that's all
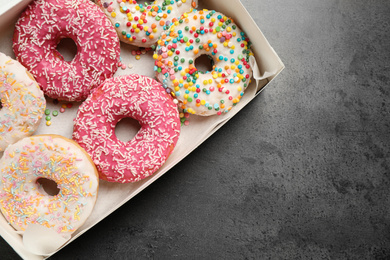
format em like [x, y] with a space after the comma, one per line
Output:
[197, 33]
[33, 160]
[141, 25]
[42, 26]
[22, 102]
[132, 96]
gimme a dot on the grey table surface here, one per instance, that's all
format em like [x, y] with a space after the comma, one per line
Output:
[302, 172]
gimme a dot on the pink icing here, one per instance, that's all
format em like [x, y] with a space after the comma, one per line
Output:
[138, 97]
[40, 28]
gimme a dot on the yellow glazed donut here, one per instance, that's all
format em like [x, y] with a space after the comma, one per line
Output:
[22, 102]
[142, 24]
[33, 160]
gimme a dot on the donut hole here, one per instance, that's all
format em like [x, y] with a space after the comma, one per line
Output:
[67, 48]
[146, 3]
[126, 129]
[49, 186]
[204, 63]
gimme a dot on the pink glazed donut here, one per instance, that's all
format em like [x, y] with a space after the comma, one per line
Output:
[137, 97]
[39, 30]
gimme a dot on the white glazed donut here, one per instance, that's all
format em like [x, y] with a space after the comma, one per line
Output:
[22, 102]
[24, 201]
[141, 25]
[204, 32]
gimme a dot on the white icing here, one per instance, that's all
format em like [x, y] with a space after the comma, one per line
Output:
[23, 201]
[210, 33]
[132, 29]
[23, 103]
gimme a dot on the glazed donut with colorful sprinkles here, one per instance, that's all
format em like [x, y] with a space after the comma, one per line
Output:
[47, 180]
[22, 102]
[134, 96]
[142, 24]
[39, 30]
[204, 32]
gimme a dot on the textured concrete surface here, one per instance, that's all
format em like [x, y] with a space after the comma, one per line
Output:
[303, 172]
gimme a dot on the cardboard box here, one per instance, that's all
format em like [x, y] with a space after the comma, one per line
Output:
[113, 195]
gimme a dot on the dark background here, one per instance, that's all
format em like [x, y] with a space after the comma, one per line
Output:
[302, 172]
